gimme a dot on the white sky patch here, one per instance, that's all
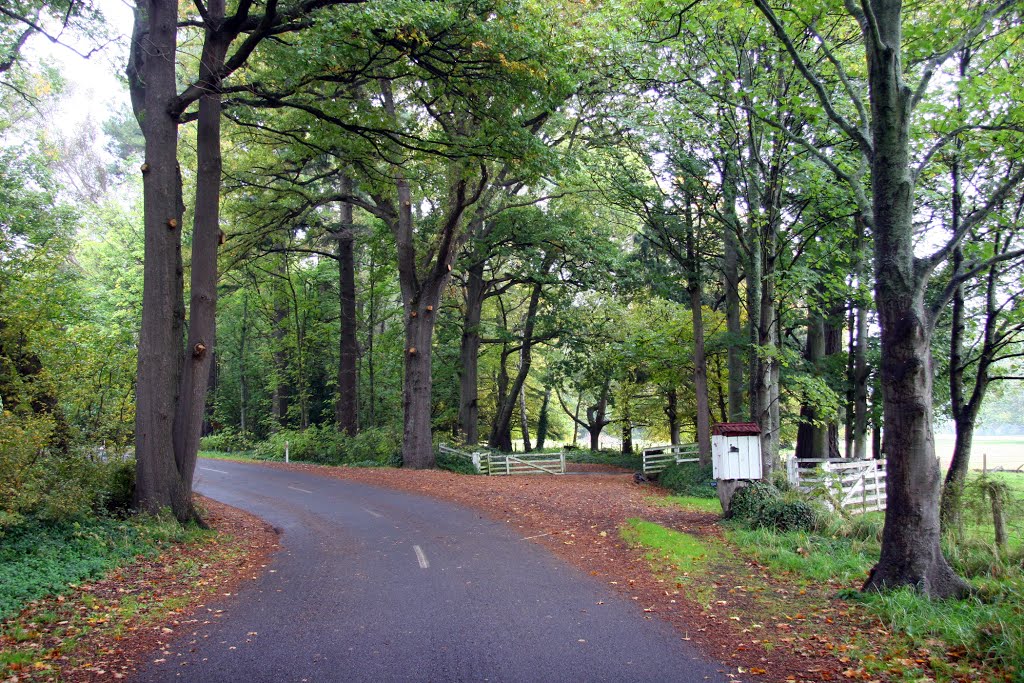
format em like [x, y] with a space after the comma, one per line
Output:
[94, 87]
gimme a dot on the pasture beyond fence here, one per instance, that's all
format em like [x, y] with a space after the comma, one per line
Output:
[491, 463]
[854, 485]
[659, 457]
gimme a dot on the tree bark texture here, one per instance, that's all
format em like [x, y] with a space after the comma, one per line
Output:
[731, 283]
[469, 354]
[672, 412]
[700, 363]
[812, 436]
[524, 425]
[597, 418]
[200, 347]
[542, 419]
[346, 407]
[501, 432]
[281, 394]
[910, 554]
[159, 481]
[966, 406]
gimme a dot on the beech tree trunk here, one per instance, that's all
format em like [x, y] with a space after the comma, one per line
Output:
[672, 412]
[157, 480]
[700, 363]
[501, 431]
[812, 437]
[966, 406]
[281, 394]
[523, 423]
[417, 447]
[627, 437]
[911, 555]
[542, 419]
[469, 354]
[731, 282]
[597, 418]
[346, 407]
[857, 428]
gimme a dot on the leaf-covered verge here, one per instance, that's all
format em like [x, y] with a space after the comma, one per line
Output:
[137, 583]
[792, 582]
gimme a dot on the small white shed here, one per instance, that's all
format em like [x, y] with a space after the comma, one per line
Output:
[736, 450]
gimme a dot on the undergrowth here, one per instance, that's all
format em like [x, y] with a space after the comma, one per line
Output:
[688, 479]
[39, 559]
[629, 461]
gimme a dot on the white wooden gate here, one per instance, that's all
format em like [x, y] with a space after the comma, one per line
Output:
[487, 462]
[657, 458]
[854, 485]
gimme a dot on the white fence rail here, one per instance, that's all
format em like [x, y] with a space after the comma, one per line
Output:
[475, 458]
[659, 457]
[854, 485]
[509, 463]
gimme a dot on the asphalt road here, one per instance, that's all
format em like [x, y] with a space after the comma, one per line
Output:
[380, 585]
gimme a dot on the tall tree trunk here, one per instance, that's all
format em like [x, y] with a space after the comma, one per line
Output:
[700, 364]
[243, 387]
[469, 355]
[371, 328]
[911, 555]
[597, 417]
[627, 436]
[755, 280]
[523, 424]
[963, 419]
[346, 407]
[152, 75]
[966, 407]
[834, 347]
[767, 407]
[672, 412]
[965, 410]
[421, 300]
[731, 282]
[812, 436]
[281, 394]
[501, 431]
[542, 419]
[860, 372]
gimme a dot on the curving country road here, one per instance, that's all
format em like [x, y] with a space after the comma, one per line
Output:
[380, 585]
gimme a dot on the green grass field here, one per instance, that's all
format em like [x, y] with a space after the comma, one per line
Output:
[993, 452]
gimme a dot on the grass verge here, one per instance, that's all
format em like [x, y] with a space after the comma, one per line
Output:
[691, 503]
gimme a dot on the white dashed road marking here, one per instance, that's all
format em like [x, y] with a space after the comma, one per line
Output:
[210, 469]
[369, 511]
[296, 488]
[421, 557]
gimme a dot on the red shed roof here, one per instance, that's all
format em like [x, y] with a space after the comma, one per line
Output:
[736, 429]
